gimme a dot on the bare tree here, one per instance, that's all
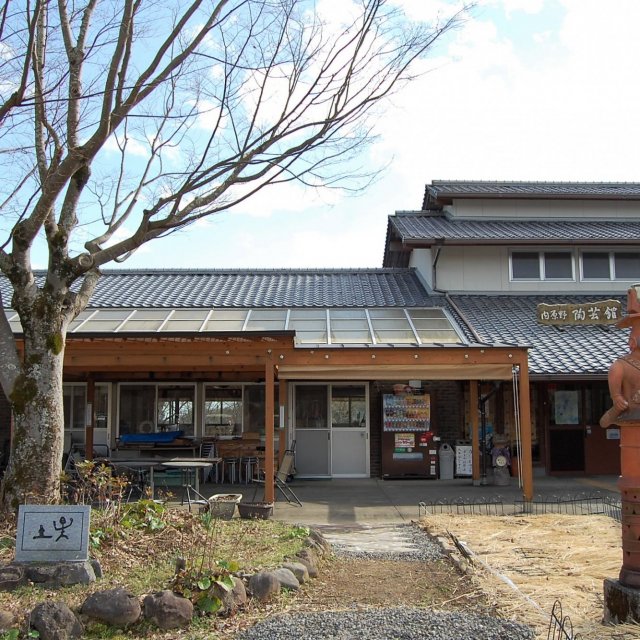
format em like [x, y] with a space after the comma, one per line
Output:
[122, 121]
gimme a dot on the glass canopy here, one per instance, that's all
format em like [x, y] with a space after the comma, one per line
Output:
[318, 326]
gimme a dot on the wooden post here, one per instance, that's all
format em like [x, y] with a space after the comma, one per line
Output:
[525, 459]
[269, 395]
[475, 431]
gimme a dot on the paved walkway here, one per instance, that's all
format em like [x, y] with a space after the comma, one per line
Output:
[373, 501]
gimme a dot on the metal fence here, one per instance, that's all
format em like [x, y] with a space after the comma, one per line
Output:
[572, 504]
[560, 626]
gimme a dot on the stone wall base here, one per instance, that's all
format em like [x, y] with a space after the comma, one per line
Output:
[621, 604]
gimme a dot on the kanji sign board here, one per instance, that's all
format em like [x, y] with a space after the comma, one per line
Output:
[601, 312]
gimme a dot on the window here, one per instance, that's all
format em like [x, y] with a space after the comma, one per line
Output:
[546, 265]
[348, 406]
[175, 408]
[223, 411]
[596, 266]
[627, 266]
[558, 265]
[230, 410]
[615, 265]
[311, 407]
[74, 398]
[149, 408]
[525, 266]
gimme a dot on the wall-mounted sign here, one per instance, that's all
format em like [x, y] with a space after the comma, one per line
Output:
[602, 312]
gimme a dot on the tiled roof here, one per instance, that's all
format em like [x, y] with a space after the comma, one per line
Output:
[442, 191]
[431, 228]
[265, 288]
[570, 350]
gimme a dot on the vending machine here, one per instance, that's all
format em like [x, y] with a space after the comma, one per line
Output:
[408, 447]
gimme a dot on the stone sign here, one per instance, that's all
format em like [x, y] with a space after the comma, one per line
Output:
[53, 533]
[601, 312]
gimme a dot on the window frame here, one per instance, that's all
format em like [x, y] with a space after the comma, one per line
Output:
[542, 265]
[613, 276]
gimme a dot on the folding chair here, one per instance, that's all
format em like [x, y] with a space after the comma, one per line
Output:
[285, 470]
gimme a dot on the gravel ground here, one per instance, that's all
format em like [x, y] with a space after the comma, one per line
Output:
[393, 623]
[386, 624]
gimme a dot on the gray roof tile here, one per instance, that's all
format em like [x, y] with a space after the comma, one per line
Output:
[443, 191]
[430, 228]
[570, 350]
[264, 288]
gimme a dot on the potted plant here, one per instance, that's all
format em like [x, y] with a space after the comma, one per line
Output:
[258, 510]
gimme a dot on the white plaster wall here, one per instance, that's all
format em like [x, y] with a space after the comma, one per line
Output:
[535, 209]
[486, 270]
[421, 260]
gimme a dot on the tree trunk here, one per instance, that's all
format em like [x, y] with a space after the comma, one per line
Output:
[33, 475]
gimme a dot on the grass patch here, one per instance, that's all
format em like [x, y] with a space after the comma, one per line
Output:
[138, 546]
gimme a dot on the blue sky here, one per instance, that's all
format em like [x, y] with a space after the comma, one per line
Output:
[525, 90]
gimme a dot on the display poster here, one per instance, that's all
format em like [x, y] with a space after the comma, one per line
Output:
[405, 440]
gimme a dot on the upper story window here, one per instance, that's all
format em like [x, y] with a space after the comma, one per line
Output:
[614, 265]
[541, 265]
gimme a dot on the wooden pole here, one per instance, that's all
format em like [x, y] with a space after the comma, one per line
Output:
[525, 461]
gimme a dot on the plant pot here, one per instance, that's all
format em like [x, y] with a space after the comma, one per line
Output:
[258, 510]
[223, 505]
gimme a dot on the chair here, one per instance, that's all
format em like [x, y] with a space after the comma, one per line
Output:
[284, 472]
[230, 468]
[208, 450]
[248, 465]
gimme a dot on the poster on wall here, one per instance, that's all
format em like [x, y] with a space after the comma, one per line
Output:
[566, 407]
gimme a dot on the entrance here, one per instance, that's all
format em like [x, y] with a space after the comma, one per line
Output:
[331, 430]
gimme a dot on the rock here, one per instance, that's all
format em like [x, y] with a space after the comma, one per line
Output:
[12, 576]
[320, 541]
[287, 579]
[263, 585]
[308, 558]
[231, 599]
[299, 570]
[97, 567]
[117, 607]
[167, 610]
[7, 619]
[60, 574]
[55, 621]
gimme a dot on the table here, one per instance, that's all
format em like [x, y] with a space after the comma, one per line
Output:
[141, 466]
[190, 468]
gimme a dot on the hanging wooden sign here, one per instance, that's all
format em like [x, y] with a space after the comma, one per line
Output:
[600, 312]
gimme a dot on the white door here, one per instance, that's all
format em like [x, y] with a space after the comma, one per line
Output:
[332, 430]
[311, 429]
[349, 431]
